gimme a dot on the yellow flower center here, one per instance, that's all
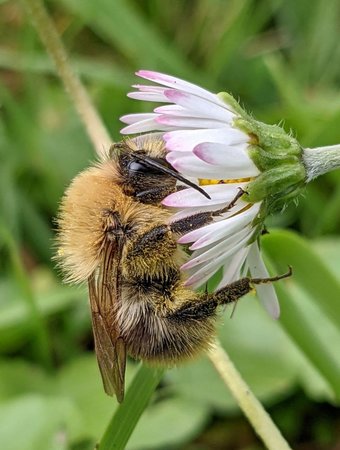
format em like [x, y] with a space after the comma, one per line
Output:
[207, 182]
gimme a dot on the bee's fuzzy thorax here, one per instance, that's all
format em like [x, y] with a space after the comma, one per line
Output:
[82, 220]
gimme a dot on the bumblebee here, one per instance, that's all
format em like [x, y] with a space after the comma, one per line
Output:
[114, 234]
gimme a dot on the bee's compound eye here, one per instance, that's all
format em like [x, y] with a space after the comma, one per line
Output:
[141, 167]
[138, 167]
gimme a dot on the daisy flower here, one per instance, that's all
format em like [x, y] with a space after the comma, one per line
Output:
[247, 168]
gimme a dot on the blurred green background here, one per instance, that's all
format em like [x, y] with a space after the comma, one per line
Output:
[281, 58]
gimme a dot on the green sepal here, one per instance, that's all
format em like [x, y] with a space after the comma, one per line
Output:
[276, 154]
[232, 104]
[265, 160]
[276, 182]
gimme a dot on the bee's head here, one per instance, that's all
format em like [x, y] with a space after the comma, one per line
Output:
[145, 173]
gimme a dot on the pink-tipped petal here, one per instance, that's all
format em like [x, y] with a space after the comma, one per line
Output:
[190, 165]
[233, 157]
[177, 83]
[206, 108]
[188, 122]
[186, 140]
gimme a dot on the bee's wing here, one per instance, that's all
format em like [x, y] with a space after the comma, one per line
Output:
[104, 292]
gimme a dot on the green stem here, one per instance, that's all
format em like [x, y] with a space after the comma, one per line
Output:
[82, 102]
[128, 413]
[321, 160]
[42, 340]
[252, 408]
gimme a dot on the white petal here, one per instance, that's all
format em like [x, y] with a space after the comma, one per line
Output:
[189, 122]
[219, 193]
[225, 246]
[176, 110]
[190, 165]
[231, 271]
[186, 140]
[149, 88]
[207, 270]
[177, 83]
[133, 118]
[233, 157]
[216, 230]
[266, 292]
[144, 126]
[148, 96]
[198, 104]
[231, 225]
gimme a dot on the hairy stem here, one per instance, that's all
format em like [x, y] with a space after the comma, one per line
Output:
[252, 408]
[80, 98]
[321, 160]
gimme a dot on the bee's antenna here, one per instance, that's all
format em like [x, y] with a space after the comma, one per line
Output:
[152, 163]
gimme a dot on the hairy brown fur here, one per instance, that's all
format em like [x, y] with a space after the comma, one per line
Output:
[128, 252]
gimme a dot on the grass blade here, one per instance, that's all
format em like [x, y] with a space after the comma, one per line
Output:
[127, 415]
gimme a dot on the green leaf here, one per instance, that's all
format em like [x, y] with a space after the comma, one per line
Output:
[80, 381]
[153, 430]
[15, 318]
[18, 377]
[98, 71]
[321, 291]
[34, 422]
[328, 249]
[287, 248]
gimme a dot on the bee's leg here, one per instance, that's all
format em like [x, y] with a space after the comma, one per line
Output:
[161, 237]
[191, 223]
[204, 305]
[200, 219]
[159, 242]
[157, 193]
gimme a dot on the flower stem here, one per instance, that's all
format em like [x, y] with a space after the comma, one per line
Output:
[73, 86]
[321, 160]
[42, 339]
[252, 408]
